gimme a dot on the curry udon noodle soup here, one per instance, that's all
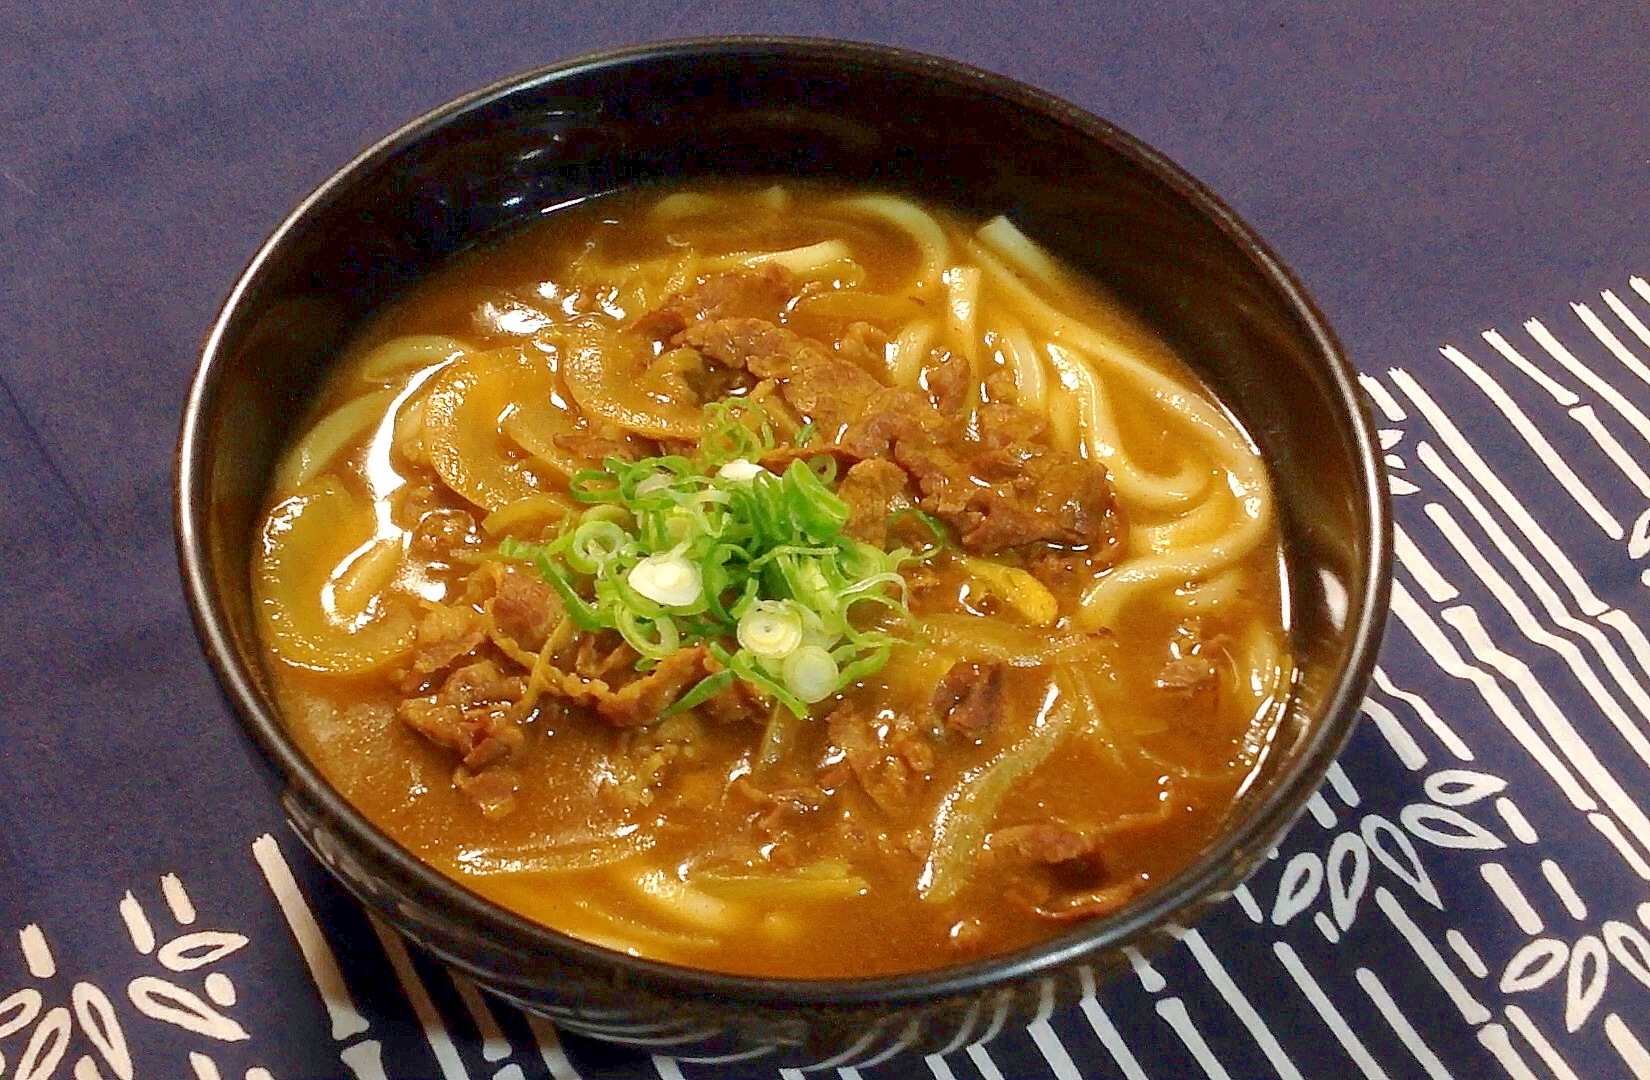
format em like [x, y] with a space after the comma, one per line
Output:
[787, 582]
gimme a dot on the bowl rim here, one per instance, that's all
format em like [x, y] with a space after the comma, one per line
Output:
[1259, 831]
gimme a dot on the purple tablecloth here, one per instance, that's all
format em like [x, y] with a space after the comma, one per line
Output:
[1464, 188]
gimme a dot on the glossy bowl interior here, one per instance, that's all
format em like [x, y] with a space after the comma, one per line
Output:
[784, 108]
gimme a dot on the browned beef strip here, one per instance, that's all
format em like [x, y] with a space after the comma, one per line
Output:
[1011, 496]
[1001, 490]
[1074, 880]
[470, 714]
[642, 699]
[818, 384]
[1190, 681]
[950, 382]
[864, 345]
[871, 488]
[762, 294]
[592, 449]
[969, 698]
[445, 634]
[604, 655]
[443, 533]
[779, 458]
[738, 702]
[764, 348]
[882, 769]
[1001, 424]
[781, 809]
[525, 607]
[492, 789]
[1046, 842]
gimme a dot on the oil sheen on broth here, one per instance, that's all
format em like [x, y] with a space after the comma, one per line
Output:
[795, 582]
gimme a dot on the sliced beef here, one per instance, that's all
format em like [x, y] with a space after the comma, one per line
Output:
[738, 702]
[780, 810]
[950, 381]
[779, 458]
[443, 533]
[1190, 681]
[873, 489]
[592, 449]
[643, 698]
[525, 607]
[1008, 497]
[493, 789]
[886, 760]
[445, 634]
[1001, 425]
[765, 349]
[763, 293]
[1049, 843]
[864, 345]
[969, 698]
[833, 392]
[1067, 866]
[604, 655]
[471, 714]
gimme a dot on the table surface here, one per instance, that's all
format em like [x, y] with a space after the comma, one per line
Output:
[1462, 187]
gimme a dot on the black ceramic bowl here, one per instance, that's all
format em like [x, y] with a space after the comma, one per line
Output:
[787, 108]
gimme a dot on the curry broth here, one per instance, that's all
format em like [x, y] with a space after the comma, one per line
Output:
[1113, 750]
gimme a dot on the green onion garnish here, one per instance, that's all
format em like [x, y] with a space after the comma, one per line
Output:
[719, 550]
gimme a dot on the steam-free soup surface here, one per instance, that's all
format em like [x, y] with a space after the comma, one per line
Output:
[793, 582]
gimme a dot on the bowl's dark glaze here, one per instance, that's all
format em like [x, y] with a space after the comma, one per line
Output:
[854, 114]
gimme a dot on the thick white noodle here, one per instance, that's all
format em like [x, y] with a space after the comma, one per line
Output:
[391, 362]
[934, 248]
[1020, 356]
[962, 284]
[807, 263]
[326, 439]
[685, 204]
[1102, 442]
[907, 352]
[1203, 522]
[1217, 592]
[1203, 419]
[1004, 237]
[1261, 672]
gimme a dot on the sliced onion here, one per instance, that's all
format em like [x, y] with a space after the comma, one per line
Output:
[318, 538]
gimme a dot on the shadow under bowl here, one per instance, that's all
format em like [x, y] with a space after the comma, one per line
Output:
[857, 115]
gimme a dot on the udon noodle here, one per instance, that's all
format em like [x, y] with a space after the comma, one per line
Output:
[787, 581]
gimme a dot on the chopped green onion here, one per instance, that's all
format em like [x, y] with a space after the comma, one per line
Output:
[667, 579]
[810, 673]
[771, 628]
[718, 550]
[739, 470]
[595, 543]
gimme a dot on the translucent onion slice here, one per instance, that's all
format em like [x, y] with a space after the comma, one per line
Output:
[322, 584]
[606, 373]
[463, 412]
[1024, 593]
[394, 360]
[534, 427]
[966, 813]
